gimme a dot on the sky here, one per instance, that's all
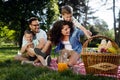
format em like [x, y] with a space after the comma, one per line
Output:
[106, 15]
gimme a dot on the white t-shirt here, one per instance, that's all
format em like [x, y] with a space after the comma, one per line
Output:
[41, 34]
[67, 45]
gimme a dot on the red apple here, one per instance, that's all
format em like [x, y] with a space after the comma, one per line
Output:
[103, 50]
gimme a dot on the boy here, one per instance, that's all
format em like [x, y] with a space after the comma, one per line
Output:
[28, 42]
[67, 15]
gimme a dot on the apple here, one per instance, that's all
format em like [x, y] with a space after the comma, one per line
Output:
[103, 50]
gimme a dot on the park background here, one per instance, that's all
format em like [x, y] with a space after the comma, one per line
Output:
[14, 15]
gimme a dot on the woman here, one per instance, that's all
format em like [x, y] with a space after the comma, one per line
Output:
[67, 39]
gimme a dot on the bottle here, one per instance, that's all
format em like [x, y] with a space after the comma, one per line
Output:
[65, 57]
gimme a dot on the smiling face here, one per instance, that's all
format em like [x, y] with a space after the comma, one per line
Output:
[65, 30]
[34, 26]
[67, 17]
[29, 37]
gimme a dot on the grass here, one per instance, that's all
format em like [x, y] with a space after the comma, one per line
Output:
[13, 70]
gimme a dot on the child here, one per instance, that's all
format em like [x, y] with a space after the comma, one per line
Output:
[67, 15]
[28, 42]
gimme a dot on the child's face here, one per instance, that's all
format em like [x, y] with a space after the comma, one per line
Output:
[29, 37]
[65, 30]
[67, 17]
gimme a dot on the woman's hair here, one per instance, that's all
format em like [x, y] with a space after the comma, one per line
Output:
[55, 34]
[66, 9]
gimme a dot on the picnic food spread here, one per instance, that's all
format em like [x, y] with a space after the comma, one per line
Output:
[107, 47]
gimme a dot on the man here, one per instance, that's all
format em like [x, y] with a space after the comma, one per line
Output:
[39, 35]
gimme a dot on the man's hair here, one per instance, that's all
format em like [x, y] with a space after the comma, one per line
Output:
[32, 19]
[66, 9]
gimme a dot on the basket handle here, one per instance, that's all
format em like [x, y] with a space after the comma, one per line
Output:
[99, 36]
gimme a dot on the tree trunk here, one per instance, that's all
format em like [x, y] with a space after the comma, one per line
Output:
[116, 29]
[23, 28]
[119, 30]
[86, 13]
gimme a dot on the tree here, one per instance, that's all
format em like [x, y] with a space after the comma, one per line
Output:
[99, 27]
[15, 13]
[52, 12]
[117, 29]
[6, 35]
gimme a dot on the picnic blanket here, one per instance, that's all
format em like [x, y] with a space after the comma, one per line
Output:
[80, 69]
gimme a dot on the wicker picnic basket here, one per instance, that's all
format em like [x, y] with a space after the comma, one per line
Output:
[100, 63]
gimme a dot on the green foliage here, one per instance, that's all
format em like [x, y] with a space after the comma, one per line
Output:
[100, 27]
[110, 34]
[100, 24]
[6, 35]
[52, 12]
[94, 30]
[15, 13]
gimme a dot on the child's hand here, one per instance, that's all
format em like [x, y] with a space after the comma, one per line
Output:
[89, 34]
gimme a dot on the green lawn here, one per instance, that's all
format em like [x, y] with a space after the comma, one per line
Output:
[13, 70]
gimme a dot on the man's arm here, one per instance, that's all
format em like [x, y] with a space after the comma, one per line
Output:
[42, 39]
[41, 44]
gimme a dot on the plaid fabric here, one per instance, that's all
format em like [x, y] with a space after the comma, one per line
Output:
[79, 68]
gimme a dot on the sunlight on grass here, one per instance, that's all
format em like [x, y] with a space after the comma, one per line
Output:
[6, 57]
[13, 70]
[8, 53]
